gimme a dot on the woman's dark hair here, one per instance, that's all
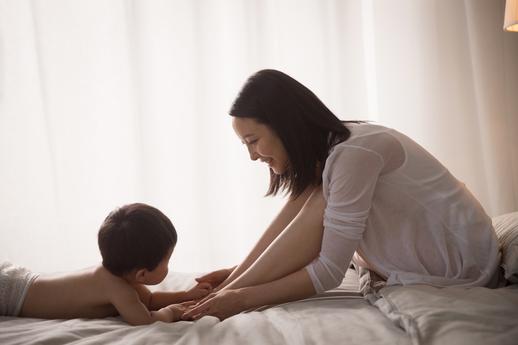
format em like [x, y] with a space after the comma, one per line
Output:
[135, 236]
[306, 127]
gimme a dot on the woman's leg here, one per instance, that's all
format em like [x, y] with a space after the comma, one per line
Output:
[297, 245]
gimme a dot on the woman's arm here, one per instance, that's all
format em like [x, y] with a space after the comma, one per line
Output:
[292, 250]
[280, 222]
[278, 275]
[295, 286]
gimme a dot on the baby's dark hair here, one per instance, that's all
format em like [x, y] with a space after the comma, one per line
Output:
[135, 236]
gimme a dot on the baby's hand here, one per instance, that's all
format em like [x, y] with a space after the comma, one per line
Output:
[177, 310]
[199, 291]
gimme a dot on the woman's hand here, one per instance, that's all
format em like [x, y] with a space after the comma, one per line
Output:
[215, 278]
[222, 304]
[199, 291]
[175, 311]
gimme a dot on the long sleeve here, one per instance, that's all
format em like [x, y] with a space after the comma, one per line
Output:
[349, 181]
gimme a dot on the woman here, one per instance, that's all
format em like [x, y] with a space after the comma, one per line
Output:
[359, 192]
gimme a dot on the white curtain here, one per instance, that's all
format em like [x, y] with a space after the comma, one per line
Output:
[107, 102]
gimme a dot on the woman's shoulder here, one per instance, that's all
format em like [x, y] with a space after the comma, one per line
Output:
[365, 135]
[359, 129]
[368, 140]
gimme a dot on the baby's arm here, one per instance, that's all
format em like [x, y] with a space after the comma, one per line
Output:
[159, 299]
[134, 311]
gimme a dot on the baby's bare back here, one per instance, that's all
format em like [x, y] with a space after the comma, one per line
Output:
[82, 294]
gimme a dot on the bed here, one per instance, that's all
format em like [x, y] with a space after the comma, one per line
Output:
[357, 312]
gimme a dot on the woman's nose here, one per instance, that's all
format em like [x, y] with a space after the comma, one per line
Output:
[253, 155]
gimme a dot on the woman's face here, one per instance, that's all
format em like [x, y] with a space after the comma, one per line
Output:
[262, 143]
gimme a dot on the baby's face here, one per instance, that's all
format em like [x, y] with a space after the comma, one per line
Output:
[157, 275]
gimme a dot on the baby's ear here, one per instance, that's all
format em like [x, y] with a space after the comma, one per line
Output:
[140, 275]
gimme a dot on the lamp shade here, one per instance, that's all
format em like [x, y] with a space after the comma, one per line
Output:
[511, 15]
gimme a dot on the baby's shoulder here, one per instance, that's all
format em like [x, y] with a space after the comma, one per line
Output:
[111, 283]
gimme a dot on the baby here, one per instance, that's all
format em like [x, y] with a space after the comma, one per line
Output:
[136, 242]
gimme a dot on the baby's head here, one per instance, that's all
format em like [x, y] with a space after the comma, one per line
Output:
[137, 240]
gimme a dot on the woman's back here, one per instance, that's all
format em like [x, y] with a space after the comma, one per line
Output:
[421, 225]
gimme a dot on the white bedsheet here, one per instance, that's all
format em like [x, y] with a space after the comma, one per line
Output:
[406, 315]
[337, 317]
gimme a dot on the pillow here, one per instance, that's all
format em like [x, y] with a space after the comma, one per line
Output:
[506, 227]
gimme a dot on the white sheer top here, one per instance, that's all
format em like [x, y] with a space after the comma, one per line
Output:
[401, 213]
